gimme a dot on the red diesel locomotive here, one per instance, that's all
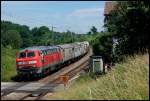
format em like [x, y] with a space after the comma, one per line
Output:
[37, 60]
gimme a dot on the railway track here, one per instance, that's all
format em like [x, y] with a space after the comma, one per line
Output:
[37, 90]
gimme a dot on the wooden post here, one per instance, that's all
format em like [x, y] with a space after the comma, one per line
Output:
[64, 79]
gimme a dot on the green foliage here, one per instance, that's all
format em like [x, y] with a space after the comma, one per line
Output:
[38, 32]
[128, 23]
[27, 42]
[11, 37]
[103, 47]
[22, 30]
[89, 33]
[93, 30]
[38, 35]
[8, 64]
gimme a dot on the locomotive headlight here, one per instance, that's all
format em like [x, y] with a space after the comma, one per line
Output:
[20, 63]
[32, 62]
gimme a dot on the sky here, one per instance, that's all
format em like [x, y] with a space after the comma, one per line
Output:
[76, 16]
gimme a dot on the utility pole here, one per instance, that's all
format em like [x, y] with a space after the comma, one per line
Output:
[71, 35]
[53, 35]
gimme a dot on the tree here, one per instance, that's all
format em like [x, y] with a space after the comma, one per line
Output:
[93, 30]
[12, 37]
[103, 47]
[38, 32]
[89, 33]
[27, 42]
[23, 30]
[26, 36]
[38, 35]
[128, 22]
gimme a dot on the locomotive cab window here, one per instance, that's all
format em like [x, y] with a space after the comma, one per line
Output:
[30, 54]
[22, 55]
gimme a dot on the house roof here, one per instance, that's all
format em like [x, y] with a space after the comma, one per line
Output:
[108, 8]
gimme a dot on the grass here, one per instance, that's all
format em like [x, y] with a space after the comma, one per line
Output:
[8, 64]
[126, 81]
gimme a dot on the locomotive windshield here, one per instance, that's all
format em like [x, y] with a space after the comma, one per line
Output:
[30, 54]
[22, 55]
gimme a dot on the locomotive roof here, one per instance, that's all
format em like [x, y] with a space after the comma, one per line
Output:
[40, 48]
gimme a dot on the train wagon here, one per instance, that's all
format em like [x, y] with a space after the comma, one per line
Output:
[86, 46]
[67, 52]
[83, 50]
[83, 47]
[77, 50]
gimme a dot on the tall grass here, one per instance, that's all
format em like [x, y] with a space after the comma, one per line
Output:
[128, 80]
[8, 64]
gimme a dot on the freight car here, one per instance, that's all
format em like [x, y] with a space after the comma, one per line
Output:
[39, 60]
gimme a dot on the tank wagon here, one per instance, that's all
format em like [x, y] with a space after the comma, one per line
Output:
[39, 60]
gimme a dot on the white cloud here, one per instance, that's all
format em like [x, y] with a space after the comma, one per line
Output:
[87, 12]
